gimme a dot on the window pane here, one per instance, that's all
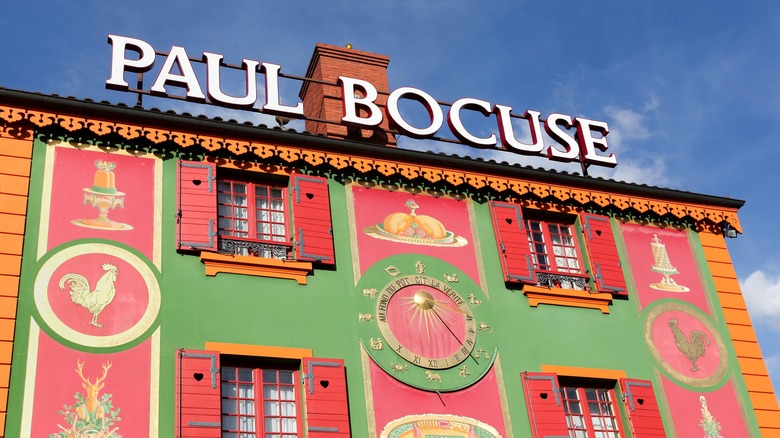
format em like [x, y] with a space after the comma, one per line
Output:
[289, 425]
[261, 204]
[271, 408]
[229, 390]
[240, 213]
[247, 407]
[286, 377]
[229, 422]
[277, 216]
[246, 375]
[261, 191]
[239, 201]
[288, 409]
[239, 188]
[277, 205]
[272, 425]
[246, 391]
[276, 193]
[229, 406]
[247, 424]
[270, 392]
[269, 376]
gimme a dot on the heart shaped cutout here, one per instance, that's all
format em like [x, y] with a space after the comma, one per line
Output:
[198, 376]
[324, 383]
[598, 232]
[310, 196]
[509, 220]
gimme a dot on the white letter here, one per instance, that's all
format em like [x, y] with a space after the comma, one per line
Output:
[507, 131]
[178, 56]
[551, 125]
[273, 104]
[214, 89]
[457, 128]
[144, 63]
[434, 112]
[351, 101]
[588, 144]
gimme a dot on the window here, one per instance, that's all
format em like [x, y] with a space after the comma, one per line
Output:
[252, 219]
[253, 213]
[553, 247]
[259, 402]
[543, 248]
[579, 406]
[258, 395]
[590, 412]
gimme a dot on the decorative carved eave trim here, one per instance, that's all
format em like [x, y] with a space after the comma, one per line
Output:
[20, 123]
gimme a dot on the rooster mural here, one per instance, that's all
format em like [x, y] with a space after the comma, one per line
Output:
[694, 348]
[94, 301]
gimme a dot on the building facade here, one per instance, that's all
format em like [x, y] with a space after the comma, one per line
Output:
[170, 275]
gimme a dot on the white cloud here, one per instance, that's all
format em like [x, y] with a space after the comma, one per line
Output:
[762, 295]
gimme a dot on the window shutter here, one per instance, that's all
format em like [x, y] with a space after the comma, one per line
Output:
[325, 392]
[642, 408]
[604, 257]
[313, 235]
[545, 406]
[197, 206]
[198, 407]
[512, 241]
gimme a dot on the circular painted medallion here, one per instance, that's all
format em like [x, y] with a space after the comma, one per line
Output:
[97, 295]
[686, 343]
[424, 322]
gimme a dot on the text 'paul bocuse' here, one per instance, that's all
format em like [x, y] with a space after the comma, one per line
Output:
[359, 105]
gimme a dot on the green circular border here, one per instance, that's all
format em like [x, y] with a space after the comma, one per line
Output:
[377, 277]
[41, 285]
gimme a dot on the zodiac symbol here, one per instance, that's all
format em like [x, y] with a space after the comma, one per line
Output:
[398, 368]
[363, 317]
[433, 376]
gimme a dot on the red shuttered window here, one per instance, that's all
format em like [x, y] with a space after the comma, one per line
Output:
[248, 213]
[260, 397]
[260, 402]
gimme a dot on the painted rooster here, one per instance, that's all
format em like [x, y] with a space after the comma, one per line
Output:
[94, 301]
[694, 348]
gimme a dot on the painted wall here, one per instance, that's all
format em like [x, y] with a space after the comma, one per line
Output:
[106, 300]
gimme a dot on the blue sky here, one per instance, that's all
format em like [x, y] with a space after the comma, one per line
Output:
[690, 89]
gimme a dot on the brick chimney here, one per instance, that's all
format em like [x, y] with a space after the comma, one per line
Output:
[324, 102]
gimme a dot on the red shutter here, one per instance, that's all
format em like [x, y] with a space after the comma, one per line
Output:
[604, 257]
[198, 409]
[311, 218]
[325, 392]
[512, 241]
[197, 203]
[545, 407]
[642, 408]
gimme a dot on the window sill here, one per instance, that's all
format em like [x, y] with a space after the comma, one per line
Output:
[257, 266]
[567, 297]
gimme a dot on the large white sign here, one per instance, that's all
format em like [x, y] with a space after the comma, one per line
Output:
[360, 108]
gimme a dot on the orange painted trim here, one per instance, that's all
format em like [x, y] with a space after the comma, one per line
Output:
[592, 373]
[15, 166]
[749, 357]
[257, 266]
[259, 350]
[567, 297]
[705, 216]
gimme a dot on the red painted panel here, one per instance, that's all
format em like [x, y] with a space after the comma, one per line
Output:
[604, 257]
[642, 408]
[198, 408]
[545, 407]
[313, 234]
[325, 389]
[512, 241]
[197, 206]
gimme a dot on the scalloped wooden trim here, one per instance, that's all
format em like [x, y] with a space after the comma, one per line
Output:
[20, 123]
[567, 297]
[257, 266]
